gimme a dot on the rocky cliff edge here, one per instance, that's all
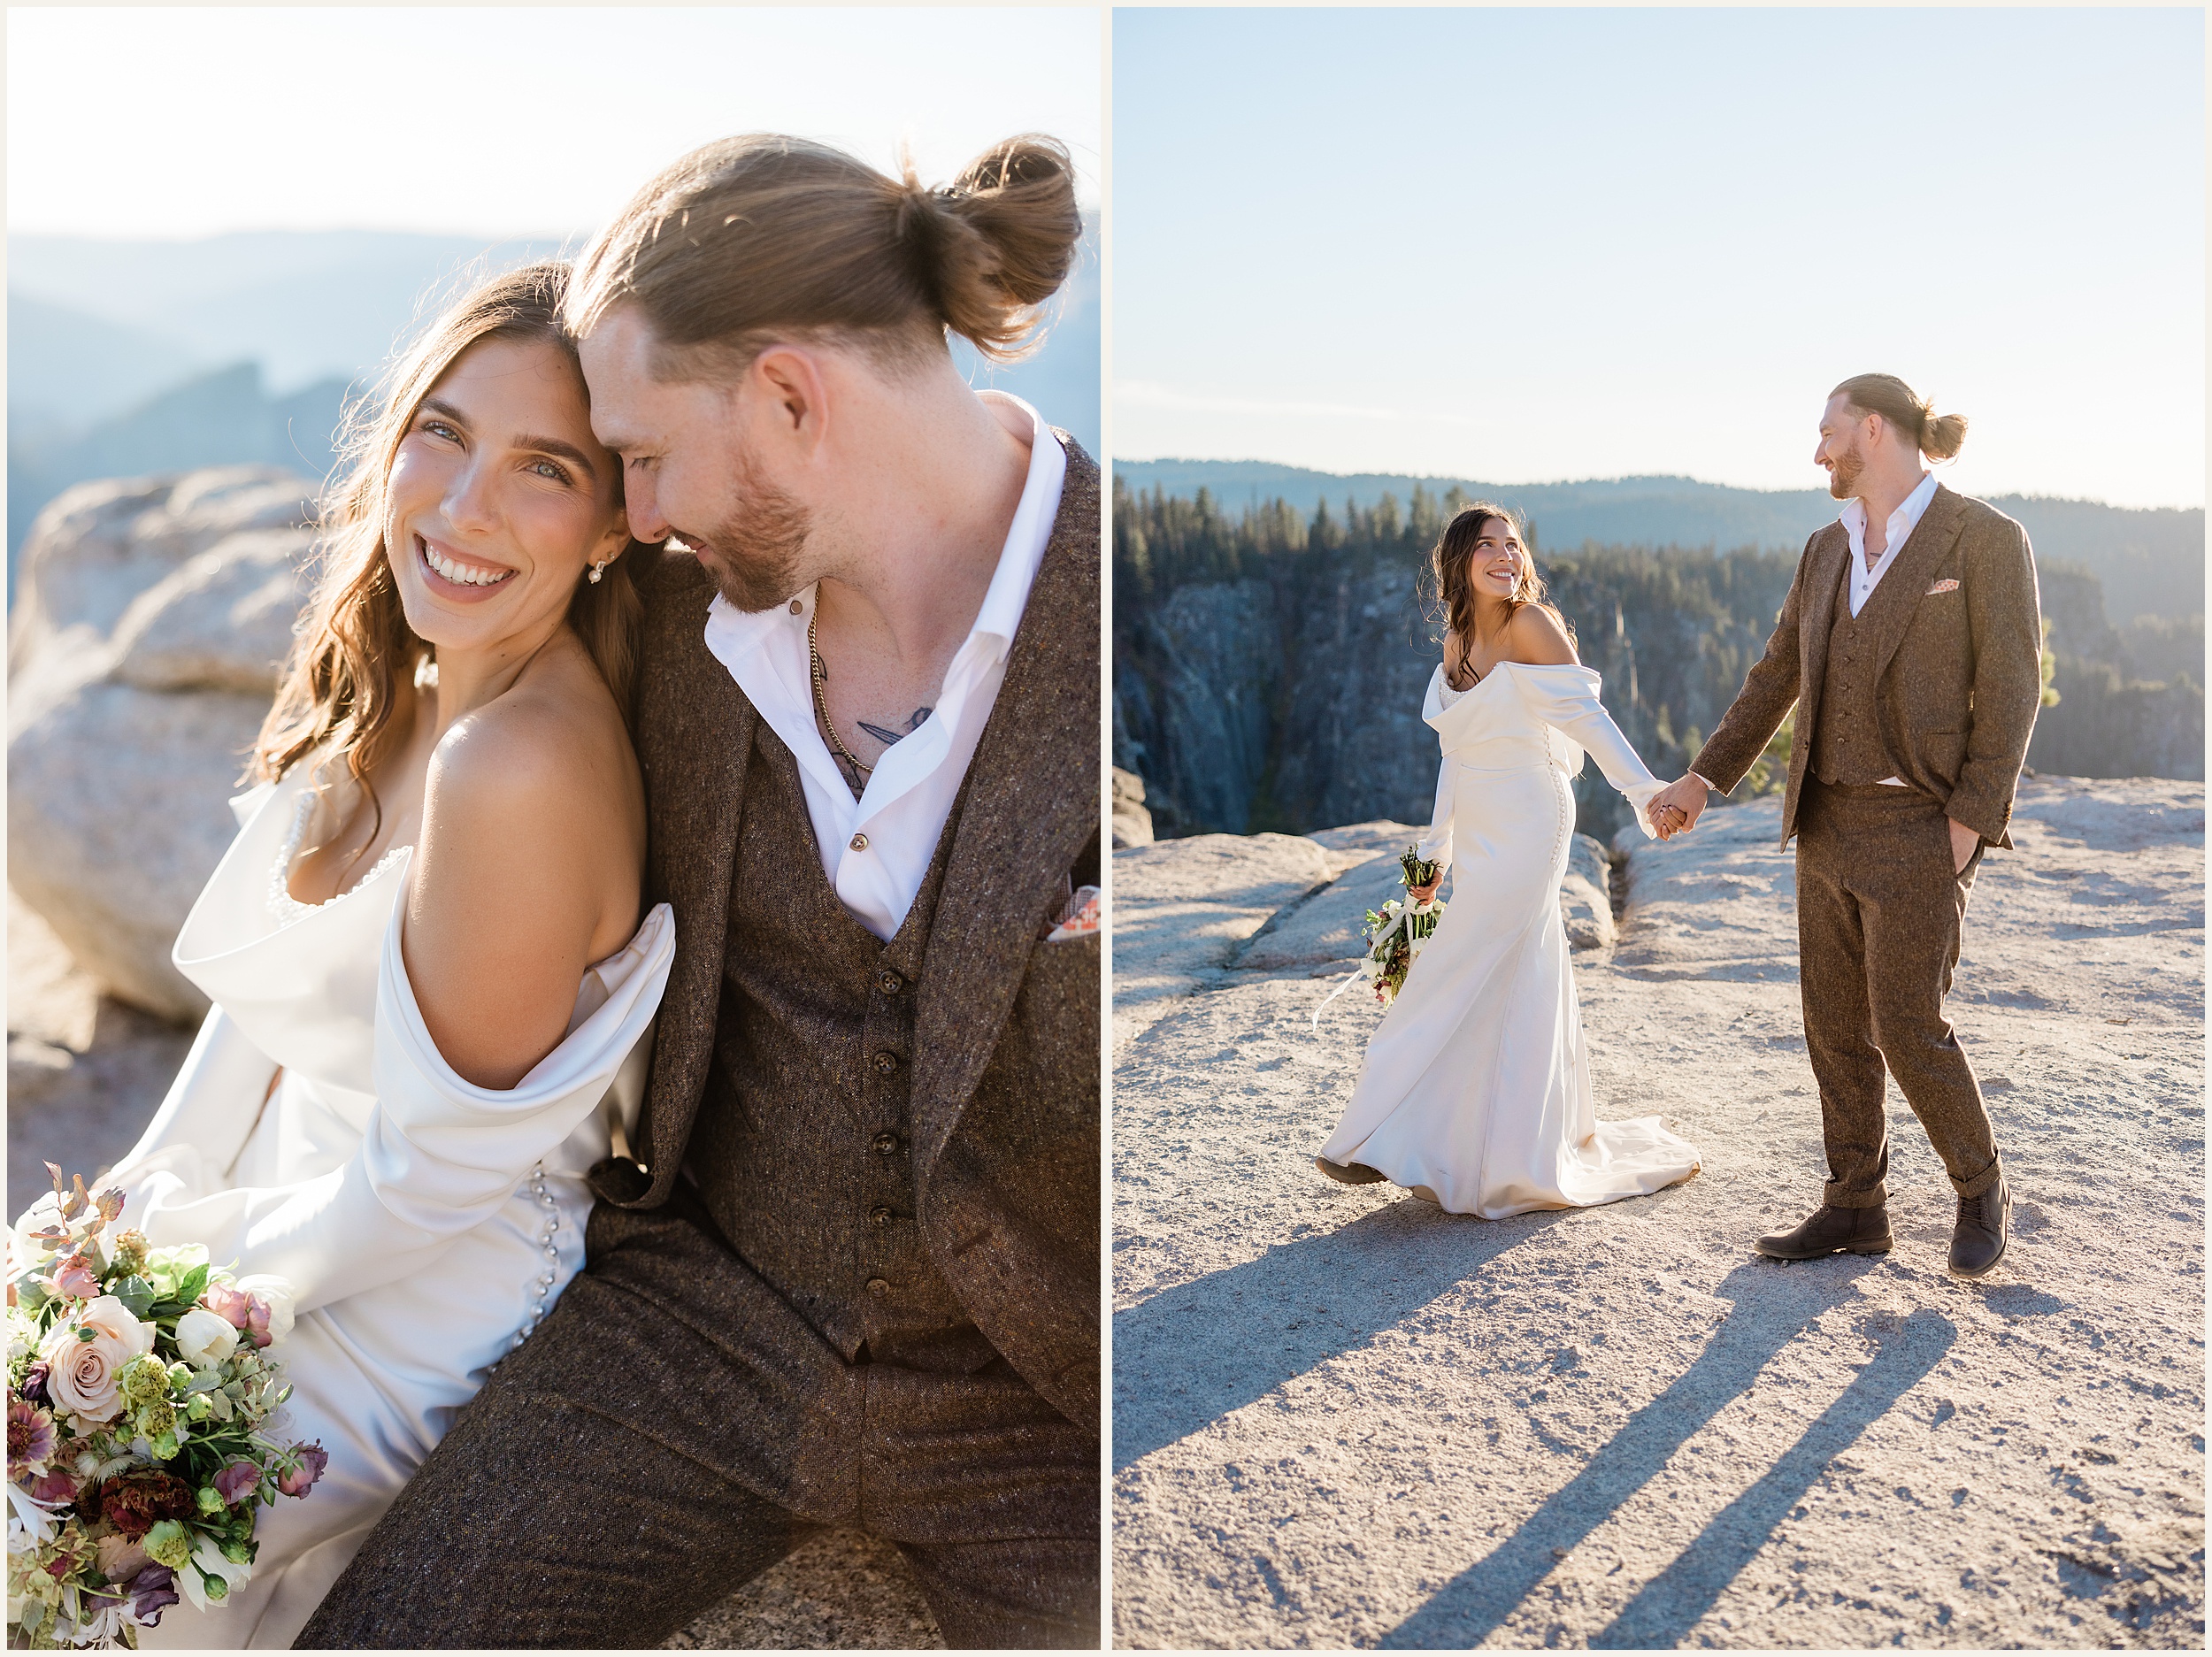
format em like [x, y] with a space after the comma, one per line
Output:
[1343, 1418]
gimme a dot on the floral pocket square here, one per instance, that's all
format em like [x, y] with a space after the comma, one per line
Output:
[1080, 916]
[1944, 586]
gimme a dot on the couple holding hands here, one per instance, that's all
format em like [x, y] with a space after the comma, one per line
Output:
[1910, 647]
[656, 981]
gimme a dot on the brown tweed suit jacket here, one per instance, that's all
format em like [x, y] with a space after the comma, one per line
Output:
[1958, 645]
[1004, 1094]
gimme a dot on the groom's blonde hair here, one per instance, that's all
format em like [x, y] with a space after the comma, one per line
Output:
[1938, 436]
[763, 238]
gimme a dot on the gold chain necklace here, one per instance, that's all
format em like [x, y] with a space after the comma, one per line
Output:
[817, 673]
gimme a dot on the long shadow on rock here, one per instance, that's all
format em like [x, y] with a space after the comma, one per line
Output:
[1669, 1605]
[1191, 1354]
[1773, 1303]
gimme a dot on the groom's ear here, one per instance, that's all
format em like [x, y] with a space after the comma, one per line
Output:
[791, 390]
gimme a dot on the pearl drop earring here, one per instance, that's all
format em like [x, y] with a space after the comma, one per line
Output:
[595, 571]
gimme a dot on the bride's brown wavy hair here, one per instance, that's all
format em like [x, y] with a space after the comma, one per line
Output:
[1451, 559]
[354, 655]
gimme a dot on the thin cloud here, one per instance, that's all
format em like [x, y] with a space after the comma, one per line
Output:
[1150, 393]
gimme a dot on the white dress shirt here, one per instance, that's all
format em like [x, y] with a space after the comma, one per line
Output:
[876, 849]
[1902, 524]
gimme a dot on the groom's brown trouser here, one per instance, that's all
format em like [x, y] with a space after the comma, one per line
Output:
[672, 1429]
[1878, 909]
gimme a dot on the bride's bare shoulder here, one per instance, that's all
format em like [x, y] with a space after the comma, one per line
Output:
[553, 751]
[1538, 637]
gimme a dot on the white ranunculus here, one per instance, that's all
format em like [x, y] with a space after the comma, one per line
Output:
[277, 1292]
[204, 1338]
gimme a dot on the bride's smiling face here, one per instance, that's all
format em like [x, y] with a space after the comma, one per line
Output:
[498, 498]
[1499, 561]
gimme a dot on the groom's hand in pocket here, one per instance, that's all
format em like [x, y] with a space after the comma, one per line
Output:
[1963, 839]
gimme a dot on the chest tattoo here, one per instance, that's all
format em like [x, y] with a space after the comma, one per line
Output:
[887, 737]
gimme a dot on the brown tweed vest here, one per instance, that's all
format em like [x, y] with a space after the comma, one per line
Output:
[1003, 1099]
[807, 1095]
[1848, 745]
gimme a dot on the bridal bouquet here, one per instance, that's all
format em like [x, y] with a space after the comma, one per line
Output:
[1394, 935]
[1397, 933]
[140, 1386]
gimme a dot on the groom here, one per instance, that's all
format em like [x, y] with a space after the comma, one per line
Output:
[850, 1276]
[1911, 647]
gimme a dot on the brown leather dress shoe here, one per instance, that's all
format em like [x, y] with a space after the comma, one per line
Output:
[1831, 1231]
[1348, 1173]
[1984, 1228]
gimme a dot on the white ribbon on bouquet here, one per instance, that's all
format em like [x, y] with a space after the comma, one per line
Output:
[1371, 969]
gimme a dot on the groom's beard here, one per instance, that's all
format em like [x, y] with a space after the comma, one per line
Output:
[1843, 477]
[753, 555]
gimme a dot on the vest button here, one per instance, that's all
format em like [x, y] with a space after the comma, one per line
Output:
[879, 1217]
[886, 1144]
[878, 1286]
[890, 983]
[796, 607]
[886, 1061]
[859, 842]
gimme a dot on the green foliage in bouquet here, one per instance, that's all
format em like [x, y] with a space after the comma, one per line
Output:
[140, 1393]
[1396, 933]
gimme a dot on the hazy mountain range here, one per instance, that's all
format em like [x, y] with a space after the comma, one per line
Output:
[127, 357]
[2151, 561]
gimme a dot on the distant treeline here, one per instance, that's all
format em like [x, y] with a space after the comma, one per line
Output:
[2150, 559]
[1269, 665]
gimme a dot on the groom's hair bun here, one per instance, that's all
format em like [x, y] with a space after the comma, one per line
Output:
[1938, 437]
[997, 242]
[763, 237]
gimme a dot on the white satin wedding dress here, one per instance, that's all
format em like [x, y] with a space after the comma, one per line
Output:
[425, 1224]
[1476, 1083]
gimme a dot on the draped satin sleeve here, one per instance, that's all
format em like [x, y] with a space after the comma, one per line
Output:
[439, 1156]
[211, 1103]
[1566, 698]
[1436, 844]
[210, 1106]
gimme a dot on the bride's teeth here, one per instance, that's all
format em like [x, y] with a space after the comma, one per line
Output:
[460, 575]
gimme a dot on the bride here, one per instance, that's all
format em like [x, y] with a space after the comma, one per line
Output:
[1476, 1091]
[432, 994]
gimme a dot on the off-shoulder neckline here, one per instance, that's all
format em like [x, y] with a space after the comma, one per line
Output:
[1526, 667]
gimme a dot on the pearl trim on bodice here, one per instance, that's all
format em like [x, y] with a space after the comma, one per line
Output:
[544, 1284]
[282, 905]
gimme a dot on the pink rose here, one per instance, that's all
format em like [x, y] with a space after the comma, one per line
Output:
[243, 1310]
[75, 1279]
[300, 1477]
[233, 1306]
[57, 1487]
[85, 1353]
[237, 1482]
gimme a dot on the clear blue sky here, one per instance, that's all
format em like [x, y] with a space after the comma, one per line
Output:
[186, 122]
[1528, 245]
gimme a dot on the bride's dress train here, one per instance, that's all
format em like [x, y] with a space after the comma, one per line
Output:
[425, 1224]
[1476, 1083]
